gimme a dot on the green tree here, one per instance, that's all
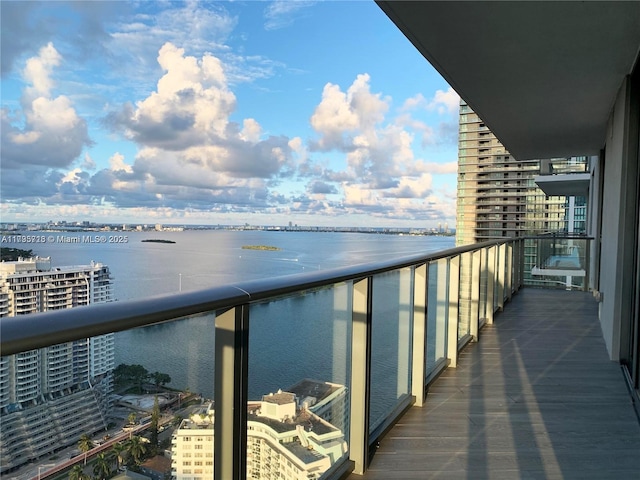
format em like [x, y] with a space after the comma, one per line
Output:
[118, 452]
[84, 445]
[160, 378]
[102, 467]
[137, 449]
[12, 254]
[155, 419]
[77, 473]
[131, 419]
[135, 375]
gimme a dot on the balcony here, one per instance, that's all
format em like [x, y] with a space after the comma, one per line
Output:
[569, 177]
[452, 368]
[536, 397]
[560, 261]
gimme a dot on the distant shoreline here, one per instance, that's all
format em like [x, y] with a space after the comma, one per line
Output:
[105, 227]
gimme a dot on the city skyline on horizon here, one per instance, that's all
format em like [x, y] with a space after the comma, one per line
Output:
[318, 113]
[79, 225]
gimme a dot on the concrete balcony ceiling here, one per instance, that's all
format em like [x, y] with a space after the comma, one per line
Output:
[542, 75]
[564, 184]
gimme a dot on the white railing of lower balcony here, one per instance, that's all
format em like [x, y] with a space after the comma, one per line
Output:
[357, 346]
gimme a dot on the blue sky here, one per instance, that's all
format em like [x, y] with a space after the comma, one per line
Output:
[315, 113]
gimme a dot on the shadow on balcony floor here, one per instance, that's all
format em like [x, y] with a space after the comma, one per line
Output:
[536, 398]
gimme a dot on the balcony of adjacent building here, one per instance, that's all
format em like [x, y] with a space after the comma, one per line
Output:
[564, 176]
[560, 261]
[455, 367]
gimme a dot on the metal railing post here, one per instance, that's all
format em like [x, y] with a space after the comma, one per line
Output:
[419, 348]
[523, 256]
[587, 265]
[515, 261]
[361, 374]
[230, 393]
[453, 310]
[515, 252]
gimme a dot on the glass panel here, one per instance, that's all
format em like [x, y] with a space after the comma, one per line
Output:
[466, 285]
[437, 303]
[559, 262]
[482, 307]
[390, 343]
[530, 254]
[499, 276]
[184, 349]
[180, 355]
[509, 269]
[299, 371]
[105, 393]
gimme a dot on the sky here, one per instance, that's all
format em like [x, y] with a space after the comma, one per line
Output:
[314, 113]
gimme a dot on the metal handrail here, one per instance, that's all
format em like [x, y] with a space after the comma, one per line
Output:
[29, 332]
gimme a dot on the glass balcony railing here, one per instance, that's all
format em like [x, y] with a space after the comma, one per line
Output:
[557, 261]
[298, 374]
[560, 166]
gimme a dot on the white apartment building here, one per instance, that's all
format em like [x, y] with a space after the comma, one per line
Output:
[51, 396]
[325, 399]
[285, 439]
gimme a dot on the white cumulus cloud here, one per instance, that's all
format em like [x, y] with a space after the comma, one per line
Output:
[47, 130]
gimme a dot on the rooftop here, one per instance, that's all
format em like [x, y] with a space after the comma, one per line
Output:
[279, 398]
[305, 454]
[308, 420]
[313, 388]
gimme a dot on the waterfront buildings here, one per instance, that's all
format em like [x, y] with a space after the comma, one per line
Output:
[51, 396]
[286, 436]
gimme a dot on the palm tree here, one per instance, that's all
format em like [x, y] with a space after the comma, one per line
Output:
[136, 448]
[84, 445]
[155, 419]
[77, 473]
[118, 450]
[132, 418]
[101, 467]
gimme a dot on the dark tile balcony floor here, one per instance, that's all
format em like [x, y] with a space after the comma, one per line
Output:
[536, 398]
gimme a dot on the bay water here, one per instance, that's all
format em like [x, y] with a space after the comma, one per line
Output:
[290, 339]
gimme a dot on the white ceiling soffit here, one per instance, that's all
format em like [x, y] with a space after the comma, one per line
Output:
[542, 75]
[576, 184]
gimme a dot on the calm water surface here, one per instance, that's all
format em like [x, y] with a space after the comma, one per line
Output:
[289, 340]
